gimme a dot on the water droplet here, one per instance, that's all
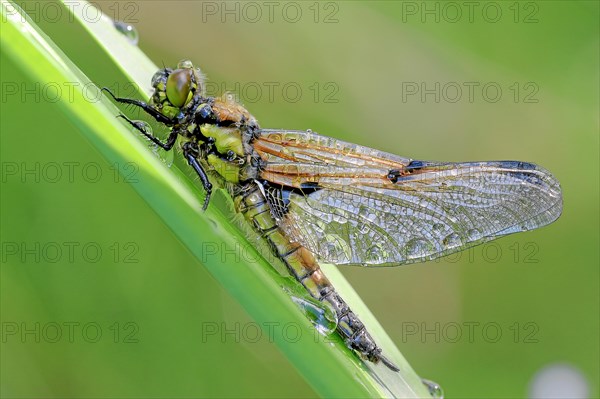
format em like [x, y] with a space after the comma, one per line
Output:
[474, 234]
[165, 156]
[128, 31]
[142, 125]
[452, 240]
[336, 249]
[363, 228]
[435, 390]
[417, 247]
[364, 211]
[376, 254]
[437, 227]
[320, 314]
[365, 215]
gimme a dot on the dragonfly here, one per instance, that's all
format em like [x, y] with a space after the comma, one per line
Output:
[318, 199]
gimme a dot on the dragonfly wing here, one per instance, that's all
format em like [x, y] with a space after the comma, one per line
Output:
[350, 204]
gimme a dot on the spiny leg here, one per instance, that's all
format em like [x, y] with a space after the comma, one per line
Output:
[167, 145]
[149, 109]
[190, 155]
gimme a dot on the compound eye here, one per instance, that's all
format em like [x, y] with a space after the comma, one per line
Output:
[178, 87]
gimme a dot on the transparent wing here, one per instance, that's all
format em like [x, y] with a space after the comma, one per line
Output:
[350, 204]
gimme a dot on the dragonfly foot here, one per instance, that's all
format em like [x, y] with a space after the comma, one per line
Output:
[388, 363]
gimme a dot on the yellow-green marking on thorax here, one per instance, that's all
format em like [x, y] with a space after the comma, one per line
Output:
[230, 171]
[226, 138]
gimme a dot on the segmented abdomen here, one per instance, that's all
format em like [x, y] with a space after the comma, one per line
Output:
[304, 267]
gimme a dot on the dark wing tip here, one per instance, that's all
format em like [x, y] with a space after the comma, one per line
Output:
[547, 190]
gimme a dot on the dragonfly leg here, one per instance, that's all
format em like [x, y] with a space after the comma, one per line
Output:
[190, 155]
[147, 108]
[167, 145]
[388, 363]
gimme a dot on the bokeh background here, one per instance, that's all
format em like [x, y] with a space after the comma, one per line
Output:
[504, 320]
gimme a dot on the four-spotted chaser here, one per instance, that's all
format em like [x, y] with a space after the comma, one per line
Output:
[315, 198]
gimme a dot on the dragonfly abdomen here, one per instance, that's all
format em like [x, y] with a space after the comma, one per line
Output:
[302, 264]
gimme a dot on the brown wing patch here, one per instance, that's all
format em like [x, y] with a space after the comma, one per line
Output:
[296, 158]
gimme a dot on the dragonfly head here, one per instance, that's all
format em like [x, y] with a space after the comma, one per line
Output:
[174, 89]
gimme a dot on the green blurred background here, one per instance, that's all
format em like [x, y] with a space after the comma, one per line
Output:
[487, 323]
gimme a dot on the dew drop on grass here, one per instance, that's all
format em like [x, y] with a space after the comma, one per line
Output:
[435, 390]
[128, 31]
[320, 314]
